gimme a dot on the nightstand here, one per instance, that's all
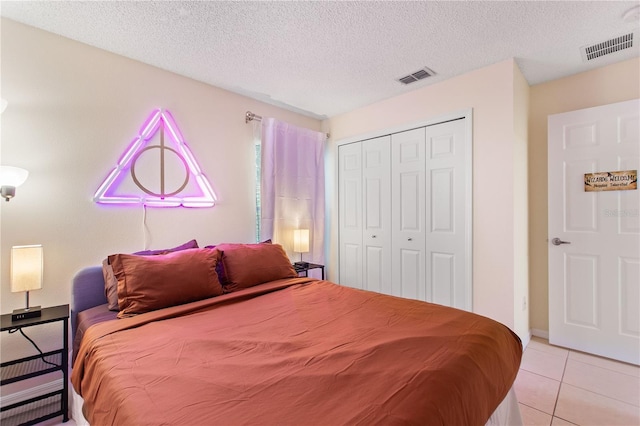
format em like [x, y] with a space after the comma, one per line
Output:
[50, 405]
[305, 268]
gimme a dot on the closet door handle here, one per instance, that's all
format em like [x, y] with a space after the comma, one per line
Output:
[409, 239]
[373, 236]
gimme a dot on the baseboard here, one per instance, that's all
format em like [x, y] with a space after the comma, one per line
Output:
[12, 398]
[526, 339]
[543, 334]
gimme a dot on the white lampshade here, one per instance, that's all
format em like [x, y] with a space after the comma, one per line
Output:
[301, 240]
[12, 176]
[26, 268]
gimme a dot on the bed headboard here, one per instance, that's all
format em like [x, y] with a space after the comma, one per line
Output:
[87, 291]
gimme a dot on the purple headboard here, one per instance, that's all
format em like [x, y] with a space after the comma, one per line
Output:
[87, 291]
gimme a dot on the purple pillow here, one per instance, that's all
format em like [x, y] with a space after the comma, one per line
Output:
[188, 245]
[111, 283]
[222, 274]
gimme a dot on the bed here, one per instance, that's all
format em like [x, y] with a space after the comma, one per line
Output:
[268, 347]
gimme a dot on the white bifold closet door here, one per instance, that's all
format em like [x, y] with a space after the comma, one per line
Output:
[376, 193]
[403, 214]
[350, 214]
[409, 214]
[365, 215]
[447, 215]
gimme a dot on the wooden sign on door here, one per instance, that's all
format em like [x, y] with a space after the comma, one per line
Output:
[611, 181]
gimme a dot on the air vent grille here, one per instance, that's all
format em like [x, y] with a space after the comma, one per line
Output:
[598, 50]
[416, 76]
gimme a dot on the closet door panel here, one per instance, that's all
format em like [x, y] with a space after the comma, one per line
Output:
[376, 236]
[441, 199]
[408, 213]
[442, 276]
[350, 214]
[445, 230]
[411, 277]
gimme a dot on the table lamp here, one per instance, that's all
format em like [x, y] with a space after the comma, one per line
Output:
[26, 275]
[301, 244]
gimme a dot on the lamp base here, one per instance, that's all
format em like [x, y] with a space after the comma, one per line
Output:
[24, 313]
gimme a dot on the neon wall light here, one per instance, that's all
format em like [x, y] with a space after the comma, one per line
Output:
[160, 123]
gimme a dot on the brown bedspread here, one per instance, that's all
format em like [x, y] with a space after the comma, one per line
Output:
[287, 352]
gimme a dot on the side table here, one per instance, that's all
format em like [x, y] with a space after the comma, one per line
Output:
[306, 267]
[47, 406]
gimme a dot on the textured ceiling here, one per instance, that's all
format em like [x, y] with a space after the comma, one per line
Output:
[325, 58]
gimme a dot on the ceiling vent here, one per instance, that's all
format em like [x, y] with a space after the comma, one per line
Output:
[598, 50]
[418, 75]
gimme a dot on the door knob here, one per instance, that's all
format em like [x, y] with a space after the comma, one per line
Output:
[557, 241]
[373, 236]
[409, 239]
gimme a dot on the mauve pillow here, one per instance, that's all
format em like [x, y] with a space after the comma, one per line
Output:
[147, 283]
[110, 285]
[247, 265]
[188, 245]
[222, 275]
[110, 282]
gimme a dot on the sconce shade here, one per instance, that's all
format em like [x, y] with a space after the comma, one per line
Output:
[10, 178]
[26, 268]
[301, 240]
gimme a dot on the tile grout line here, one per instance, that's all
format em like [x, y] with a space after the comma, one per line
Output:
[547, 378]
[533, 408]
[549, 353]
[611, 369]
[564, 369]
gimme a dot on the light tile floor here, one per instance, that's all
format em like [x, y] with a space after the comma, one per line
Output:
[556, 386]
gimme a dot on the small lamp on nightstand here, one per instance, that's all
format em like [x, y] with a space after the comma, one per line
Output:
[301, 244]
[26, 275]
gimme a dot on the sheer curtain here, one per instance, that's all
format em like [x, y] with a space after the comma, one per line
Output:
[292, 186]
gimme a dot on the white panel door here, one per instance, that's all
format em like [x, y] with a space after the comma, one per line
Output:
[594, 237]
[376, 236]
[350, 214]
[408, 214]
[446, 210]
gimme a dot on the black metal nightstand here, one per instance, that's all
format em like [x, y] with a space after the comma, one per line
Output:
[50, 405]
[305, 268]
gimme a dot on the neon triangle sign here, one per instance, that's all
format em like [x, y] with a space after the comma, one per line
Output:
[183, 185]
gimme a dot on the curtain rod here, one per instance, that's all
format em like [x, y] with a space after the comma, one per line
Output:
[249, 116]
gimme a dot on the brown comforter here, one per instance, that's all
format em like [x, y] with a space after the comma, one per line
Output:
[300, 352]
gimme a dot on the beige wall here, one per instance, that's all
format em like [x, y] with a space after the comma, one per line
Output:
[614, 83]
[72, 111]
[491, 93]
[520, 204]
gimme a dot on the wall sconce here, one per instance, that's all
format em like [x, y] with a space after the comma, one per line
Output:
[26, 275]
[301, 244]
[10, 178]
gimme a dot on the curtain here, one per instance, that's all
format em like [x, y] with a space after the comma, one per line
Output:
[292, 187]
